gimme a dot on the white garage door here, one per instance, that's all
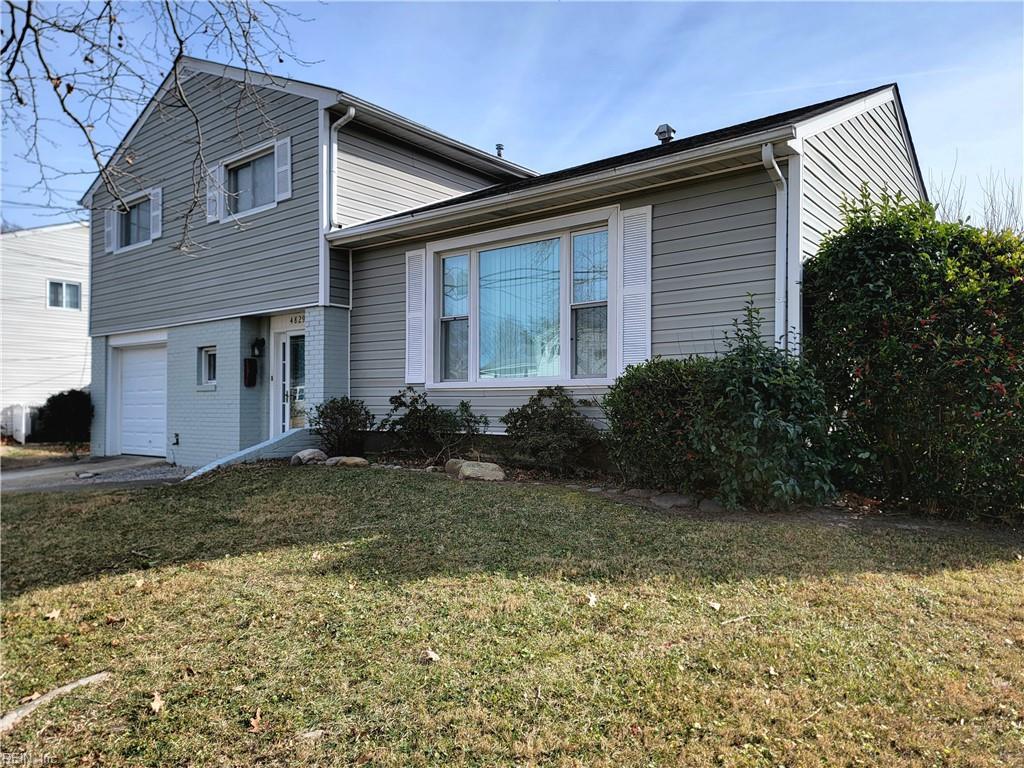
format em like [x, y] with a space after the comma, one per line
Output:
[144, 401]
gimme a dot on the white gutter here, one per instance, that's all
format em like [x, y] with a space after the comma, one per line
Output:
[781, 241]
[721, 150]
[336, 126]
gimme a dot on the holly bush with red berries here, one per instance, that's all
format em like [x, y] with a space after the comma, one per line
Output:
[915, 328]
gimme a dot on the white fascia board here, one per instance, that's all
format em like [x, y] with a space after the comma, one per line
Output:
[630, 171]
[841, 114]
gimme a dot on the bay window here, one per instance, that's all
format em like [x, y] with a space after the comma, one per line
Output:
[523, 311]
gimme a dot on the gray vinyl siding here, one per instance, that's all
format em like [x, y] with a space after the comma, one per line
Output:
[263, 262]
[378, 175]
[712, 246]
[713, 243]
[867, 149]
[339, 277]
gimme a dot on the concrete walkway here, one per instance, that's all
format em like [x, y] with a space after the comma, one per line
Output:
[106, 473]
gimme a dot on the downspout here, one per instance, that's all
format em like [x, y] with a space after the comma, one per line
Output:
[781, 243]
[336, 126]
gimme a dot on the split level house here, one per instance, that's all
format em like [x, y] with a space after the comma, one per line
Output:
[313, 245]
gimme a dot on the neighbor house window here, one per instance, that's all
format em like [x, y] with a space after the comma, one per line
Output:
[530, 309]
[134, 223]
[63, 295]
[251, 184]
[208, 365]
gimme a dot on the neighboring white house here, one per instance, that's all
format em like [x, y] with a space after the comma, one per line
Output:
[44, 337]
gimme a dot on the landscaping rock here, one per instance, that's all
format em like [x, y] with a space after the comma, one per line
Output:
[712, 507]
[640, 493]
[452, 466]
[670, 500]
[309, 456]
[480, 470]
[347, 461]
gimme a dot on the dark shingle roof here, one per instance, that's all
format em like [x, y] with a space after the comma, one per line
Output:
[647, 153]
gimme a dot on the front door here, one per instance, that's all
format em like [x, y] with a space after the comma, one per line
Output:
[292, 392]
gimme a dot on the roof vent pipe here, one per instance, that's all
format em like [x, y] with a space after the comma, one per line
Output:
[665, 133]
[333, 150]
[499, 149]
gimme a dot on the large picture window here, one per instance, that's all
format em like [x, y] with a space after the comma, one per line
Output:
[524, 310]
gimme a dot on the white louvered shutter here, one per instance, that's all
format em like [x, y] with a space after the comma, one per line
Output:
[636, 285]
[109, 231]
[415, 305]
[213, 193]
[283, 168]
[156, 212]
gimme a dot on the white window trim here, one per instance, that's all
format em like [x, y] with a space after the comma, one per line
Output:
[63, 294]
[204, 353]
[138, 197]
[240, 158]
[562, 226]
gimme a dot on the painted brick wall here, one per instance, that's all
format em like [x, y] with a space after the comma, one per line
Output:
[326, 353]
[206, 418]
[254, 401]
[98, 390]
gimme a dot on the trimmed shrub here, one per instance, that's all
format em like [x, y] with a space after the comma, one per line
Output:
[651, 411]
[66, 418]
[427, 428]
[549, 431]
[767, 433]
[750, 427]
[916, 327]
[341, 423]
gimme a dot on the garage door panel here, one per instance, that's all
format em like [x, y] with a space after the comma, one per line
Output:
[144, 401]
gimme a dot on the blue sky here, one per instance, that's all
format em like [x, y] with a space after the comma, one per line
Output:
[564, 84]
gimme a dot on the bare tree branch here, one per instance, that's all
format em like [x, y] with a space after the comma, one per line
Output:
[93, 66]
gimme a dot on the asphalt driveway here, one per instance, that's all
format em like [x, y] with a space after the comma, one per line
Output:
[101, 472]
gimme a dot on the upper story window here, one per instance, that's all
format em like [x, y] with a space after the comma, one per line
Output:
[528, 310]
[249, 182]
[136, 222]
[61, 295]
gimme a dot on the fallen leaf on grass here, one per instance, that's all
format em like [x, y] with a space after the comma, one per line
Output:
[715, 606]
[157, 703]
[314, 735]
[256, 723]
[115, 619]
[63, 641]
[31, 697]
[53, 615]
[591, 599]
[429, 656]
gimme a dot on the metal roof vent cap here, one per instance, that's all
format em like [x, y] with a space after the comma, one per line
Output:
[665, 133]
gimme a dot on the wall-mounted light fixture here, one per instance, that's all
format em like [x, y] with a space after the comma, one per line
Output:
[258, 346]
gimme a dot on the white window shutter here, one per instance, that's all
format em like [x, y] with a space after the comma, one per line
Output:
[156, 212]
[636, 285]
[213, 193]
[283, 168]
[109, 231]
[415, 306]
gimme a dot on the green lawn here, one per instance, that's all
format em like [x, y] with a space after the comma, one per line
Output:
[311, 593]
